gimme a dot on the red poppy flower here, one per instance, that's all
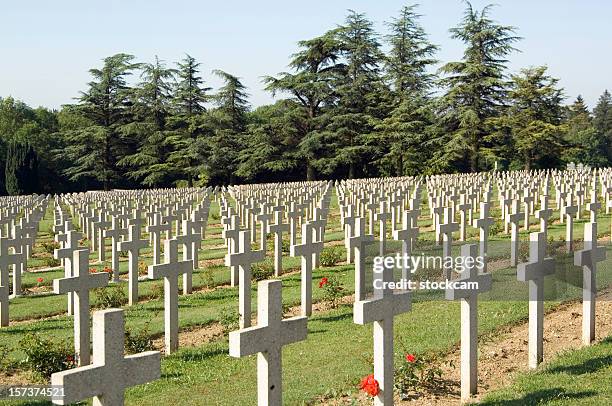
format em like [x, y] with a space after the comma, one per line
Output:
[39, 280]
[70, 358]
[323, 282]
[370, 385]
[410, 358]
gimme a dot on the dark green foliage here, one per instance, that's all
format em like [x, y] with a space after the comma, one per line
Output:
[45, 356]
[111, 296]
[138, 341]
[21, 172]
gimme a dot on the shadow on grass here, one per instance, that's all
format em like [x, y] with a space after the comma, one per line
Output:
[540, 397]
[587, 367]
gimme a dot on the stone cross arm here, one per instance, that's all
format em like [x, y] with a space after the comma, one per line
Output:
[535, 270]
[111, 373]
[368, 311]
[80, 283]
[256, 339]
[170, 269]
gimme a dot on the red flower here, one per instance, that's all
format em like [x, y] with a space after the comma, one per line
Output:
[410, 358]
[323, 282]
[39, 280]
[93, 270]
[70, 359]
[370, 385]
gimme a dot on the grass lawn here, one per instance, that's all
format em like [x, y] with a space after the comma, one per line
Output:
[578, 377]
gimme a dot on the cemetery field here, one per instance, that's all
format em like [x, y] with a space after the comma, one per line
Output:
[328, 366]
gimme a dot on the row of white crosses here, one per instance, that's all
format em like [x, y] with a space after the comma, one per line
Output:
[110, 373]
[19, 220]
[534, 271]
[271, 333]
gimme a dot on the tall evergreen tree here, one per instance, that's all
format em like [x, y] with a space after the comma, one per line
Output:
[223, 147]
[602, 121]
[529, 134]
[93, 151]
[476, 89]
[583, 143]
[311, 86]
[189, 119]
[406, 66]
[21, 169]
[148, 132]
[360, 90]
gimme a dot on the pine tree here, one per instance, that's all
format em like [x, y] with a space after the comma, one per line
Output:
[529, 134]
[21, 172]
[93, 151]
[583, 143]
[360, 93]
[148, 131]
[602, 121]
[222, 149]
[406, 66]
[189, 120]
[476, 89]
[311, 87]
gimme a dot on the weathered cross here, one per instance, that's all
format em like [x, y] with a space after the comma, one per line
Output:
[359, 243]
[381, 310]
[66, 253]
[588, 258]
[407, 234]
[6, 260]
[483, 223]
[278, 228]
[115, 234]
[534, 272]
[133, 245]
[469, 285]
[446, 230]
[243, 259]
[170, 270]
[267, 340]
[110, 374]
[80, 283]
[514, 219]
[306, 250]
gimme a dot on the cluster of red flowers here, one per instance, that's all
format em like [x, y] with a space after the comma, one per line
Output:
[410, 358]
[93, 270]
[40, 280]
[370, 385]
[107, 269]
[323, 282]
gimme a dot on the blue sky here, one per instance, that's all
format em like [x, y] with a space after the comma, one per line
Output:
[48, 46]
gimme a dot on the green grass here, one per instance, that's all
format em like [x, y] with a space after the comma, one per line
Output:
[577, 377]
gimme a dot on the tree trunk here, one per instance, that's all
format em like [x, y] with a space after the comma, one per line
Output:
[310, 172]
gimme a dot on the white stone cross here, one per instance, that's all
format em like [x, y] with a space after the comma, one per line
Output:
[514, 219]
[6, 260]
[569, 210]
[110, 374]
[306, 250]
[588, 258]
[66, 253]
[231, 234]
[80, 283]
[359, 243]
[115, 234]
[407, 235]
[170, 270]
[534, 272]
[381, 217]
[278, 228]
[469, 316]
[133, 245]
[155, 230]
[446, 230]
[243, 259]
[483, 223]
[267, 340]
[381, 310]
[191, 244]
